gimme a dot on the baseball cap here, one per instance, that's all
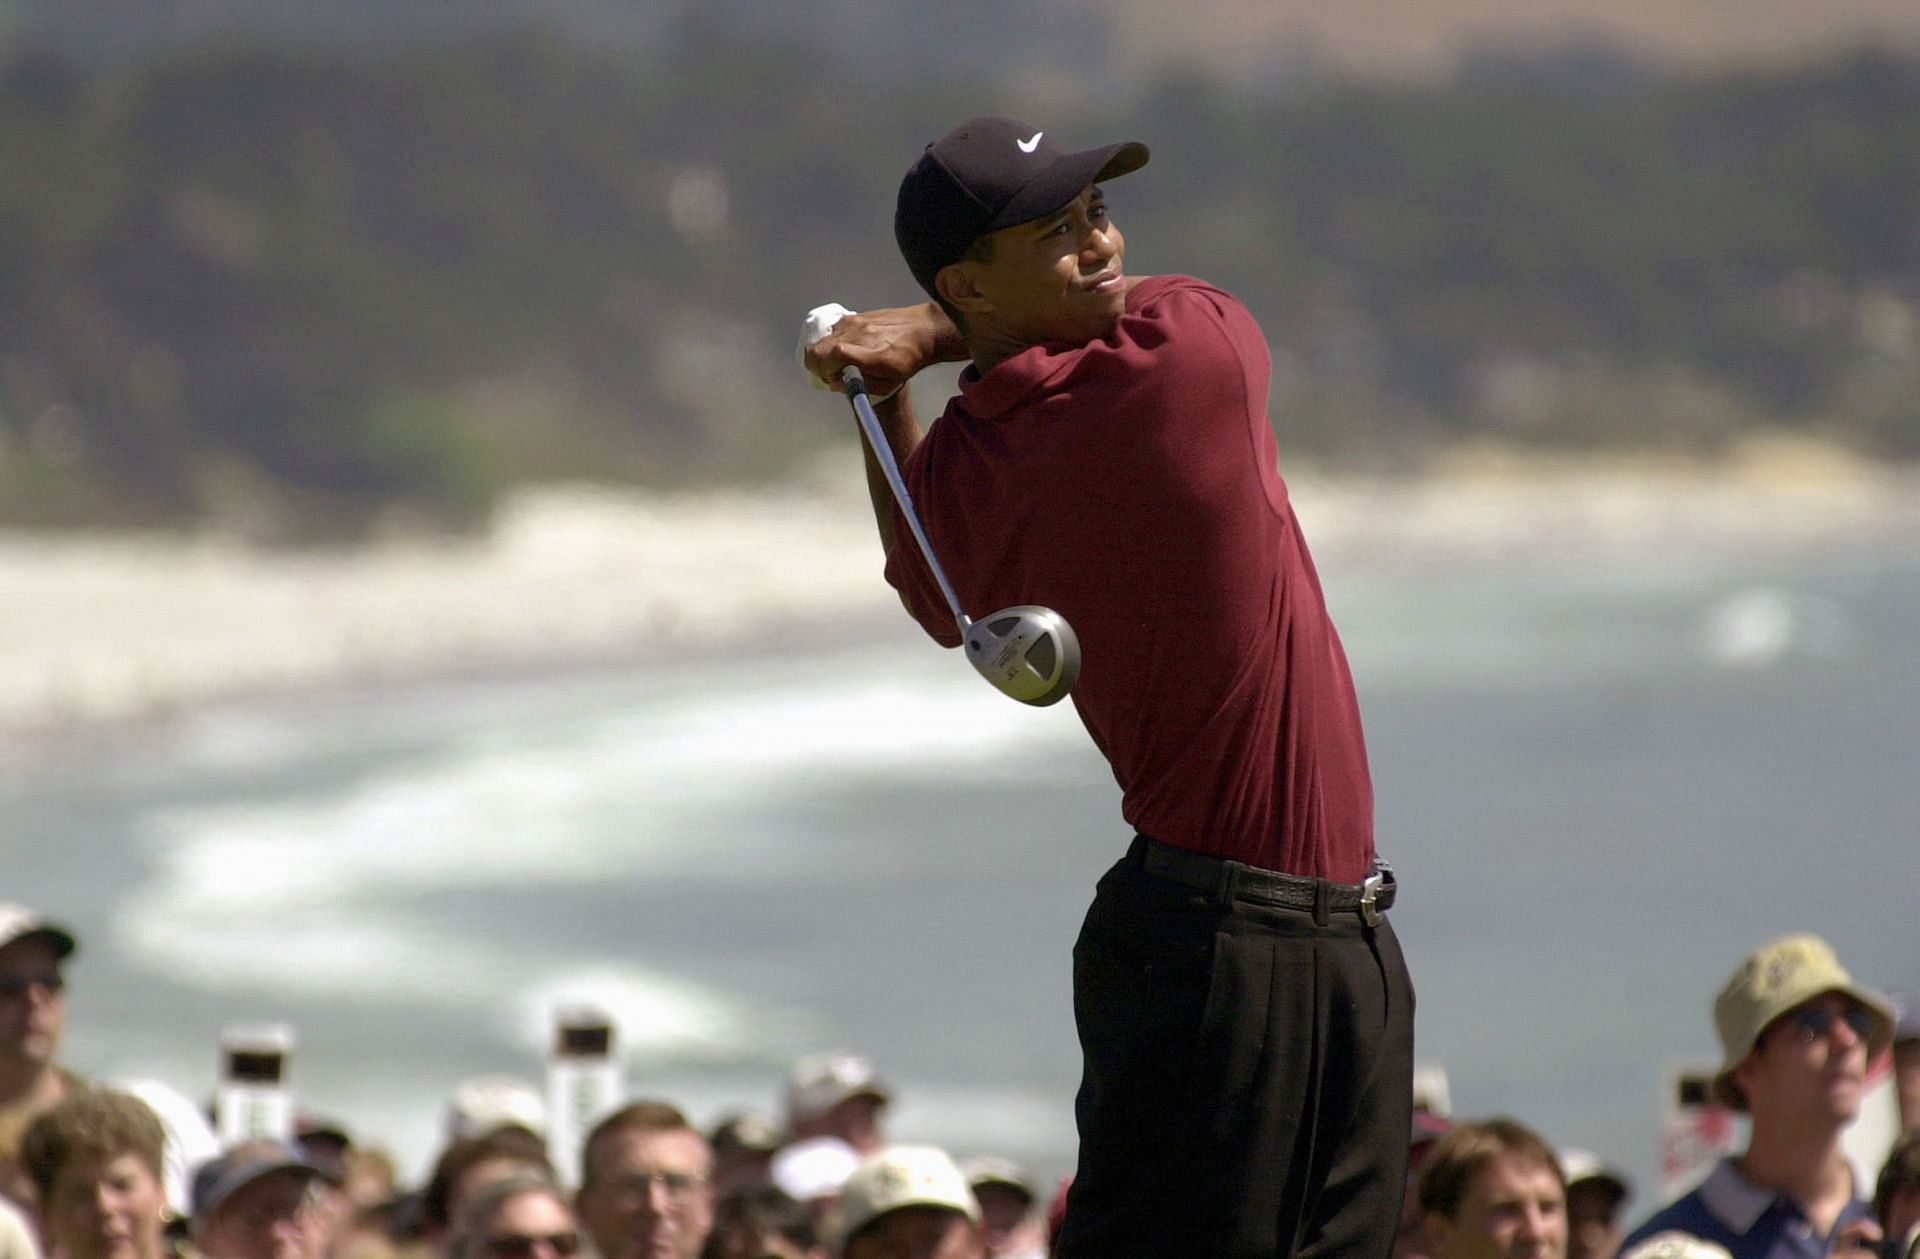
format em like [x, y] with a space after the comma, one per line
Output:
[744, 1132]
[812, 1169]
[1773, 980]
[1005, 1172]
[1582, 1165]
[220, 1178]
[903, 1176]
[17, 922]
[485, 1103]
[1674, 1244]
[990, 173]
[822, 1081]
[1906, 1017]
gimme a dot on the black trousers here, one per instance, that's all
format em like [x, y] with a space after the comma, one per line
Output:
[1247, 1088]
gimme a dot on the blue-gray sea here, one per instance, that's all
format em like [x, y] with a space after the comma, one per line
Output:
[1603, 780]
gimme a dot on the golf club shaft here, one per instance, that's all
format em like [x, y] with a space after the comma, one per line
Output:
[877, 441]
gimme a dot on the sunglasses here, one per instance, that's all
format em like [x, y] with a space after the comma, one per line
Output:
[523, 1245]
[1815, 1021]
[14, 987]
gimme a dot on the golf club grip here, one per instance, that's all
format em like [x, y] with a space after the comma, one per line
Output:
[877, 442]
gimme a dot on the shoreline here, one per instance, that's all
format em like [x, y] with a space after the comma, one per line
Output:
[101, 631]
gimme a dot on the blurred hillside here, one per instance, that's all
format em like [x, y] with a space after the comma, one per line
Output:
[294, 285]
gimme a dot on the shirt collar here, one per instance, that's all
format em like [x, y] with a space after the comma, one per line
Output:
[1733, 1199]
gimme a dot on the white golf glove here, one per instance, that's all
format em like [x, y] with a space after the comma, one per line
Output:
[818, 323]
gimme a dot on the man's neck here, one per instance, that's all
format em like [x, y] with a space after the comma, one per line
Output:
[30, 1085]
[1808, 1167]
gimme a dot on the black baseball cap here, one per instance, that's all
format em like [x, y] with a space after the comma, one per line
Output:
[990, 173]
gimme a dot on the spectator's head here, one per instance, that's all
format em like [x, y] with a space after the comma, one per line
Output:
[33, 1005]
[1896, 1193]
[1595, 1195]
[837, 1095]
[646, 1188]
[743, 1146]
[96, 1159]
[483, 1104]
[811, 1172]
[1007, 1216]
[1797, 1033]
[261, 1200]
[761, 1222]
[909, 1202]
[466, 1167]
[1494, 1190]
[1676, 1245]
[521, 1216]
[1906, 1059]
[1427, 1129]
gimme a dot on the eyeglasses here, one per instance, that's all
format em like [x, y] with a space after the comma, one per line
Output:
[638, 1186]
[14, 987]
[1814, 1021]
[523, 1245]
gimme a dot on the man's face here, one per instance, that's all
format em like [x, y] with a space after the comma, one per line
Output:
[1058, 278]
[33, 1003]
[1514, 1209]
[856, 1120]
[1593, 1231]
[647, 1195]
[1810, 1064]
[531, 1225]
[1004, 1211]
[280, 1215]
[105, 1209]
[918, 1233]
[1906, 1079]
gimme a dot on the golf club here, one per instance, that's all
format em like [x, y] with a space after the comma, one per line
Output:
[1026, 651]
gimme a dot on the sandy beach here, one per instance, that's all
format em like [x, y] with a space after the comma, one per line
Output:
[100, 629]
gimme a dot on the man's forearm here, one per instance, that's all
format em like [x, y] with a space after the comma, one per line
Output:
[902, 428]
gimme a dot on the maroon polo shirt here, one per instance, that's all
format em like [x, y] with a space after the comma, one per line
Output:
[1132, 485]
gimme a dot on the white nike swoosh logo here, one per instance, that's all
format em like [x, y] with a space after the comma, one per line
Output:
[1028, 146]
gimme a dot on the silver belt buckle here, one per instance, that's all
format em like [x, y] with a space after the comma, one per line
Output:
[1370, 897]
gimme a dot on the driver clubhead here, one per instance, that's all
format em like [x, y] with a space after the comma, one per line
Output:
[1027, 651]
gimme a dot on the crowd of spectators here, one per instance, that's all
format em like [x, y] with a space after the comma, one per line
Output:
[89, 1171]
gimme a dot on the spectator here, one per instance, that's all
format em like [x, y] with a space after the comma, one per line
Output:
[1494, 1190]
[1906, 1059]
[909, 1202]
[646, 1187]
[743, 1146]
[761, 1222]
[837, 1095]
[96, 1160]
[1896, 1197]
[1797, 1033]
[524, 1216]
[263, 1200]
[466, 1167]
[33, 1013]
[1013, 1228]
[1429, 1126]
[1595, 1195]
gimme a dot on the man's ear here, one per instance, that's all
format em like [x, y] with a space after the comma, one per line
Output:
[959, 285]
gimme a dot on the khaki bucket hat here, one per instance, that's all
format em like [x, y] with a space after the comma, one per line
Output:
[1786, 973]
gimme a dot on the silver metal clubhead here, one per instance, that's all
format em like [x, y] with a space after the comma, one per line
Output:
[1027, 651]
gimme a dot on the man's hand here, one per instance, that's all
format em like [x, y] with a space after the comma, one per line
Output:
[889, 346]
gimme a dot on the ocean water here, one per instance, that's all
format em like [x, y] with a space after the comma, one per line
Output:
[1603, 778]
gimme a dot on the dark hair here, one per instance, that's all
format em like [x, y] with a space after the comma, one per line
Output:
[1457, 1158]
[981, 250]
[757, 1210]
[511, 1143]
[1900, 1171]
[91, 1123]
[644, 1116]
[469, 1230]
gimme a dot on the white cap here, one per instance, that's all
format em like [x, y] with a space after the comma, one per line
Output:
[1674, 1244]
[17, 922]
[902, 1176]
[1582, 1165]
[819, 1083]
[816, 1168]
[484, 1103]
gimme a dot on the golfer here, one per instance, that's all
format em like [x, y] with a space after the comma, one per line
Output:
[1245, 1015]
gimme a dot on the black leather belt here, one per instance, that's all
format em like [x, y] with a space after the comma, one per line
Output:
[1238, 880]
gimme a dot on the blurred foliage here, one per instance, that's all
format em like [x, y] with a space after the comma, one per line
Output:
[303, 291]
